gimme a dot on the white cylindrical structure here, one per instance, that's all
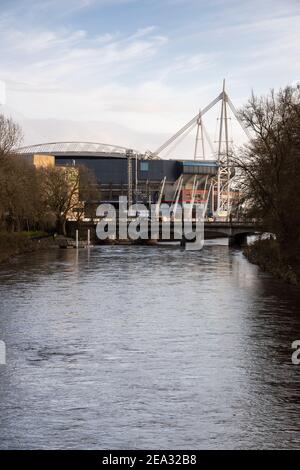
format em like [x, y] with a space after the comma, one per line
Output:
[77, 239]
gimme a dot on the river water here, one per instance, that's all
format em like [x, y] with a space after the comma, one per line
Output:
[122, 347]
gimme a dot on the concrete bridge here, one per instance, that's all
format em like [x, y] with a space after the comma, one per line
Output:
[237, 232]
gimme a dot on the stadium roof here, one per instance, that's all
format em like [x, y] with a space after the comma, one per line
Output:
[73, 148]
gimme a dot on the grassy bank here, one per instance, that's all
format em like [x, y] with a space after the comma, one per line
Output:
[12, 244]
[266, 254]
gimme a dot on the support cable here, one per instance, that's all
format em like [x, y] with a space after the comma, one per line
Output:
[189, 124]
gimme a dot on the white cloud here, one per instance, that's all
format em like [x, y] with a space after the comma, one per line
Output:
[151, 105]
[48, 58]
[31, 43]
[187, 64]
[144, 76]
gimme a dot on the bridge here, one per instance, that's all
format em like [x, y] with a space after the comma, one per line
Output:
[236, 232]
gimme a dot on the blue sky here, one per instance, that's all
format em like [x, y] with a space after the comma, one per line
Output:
[144, 64]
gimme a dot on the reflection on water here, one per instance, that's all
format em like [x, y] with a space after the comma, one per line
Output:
[147, 347]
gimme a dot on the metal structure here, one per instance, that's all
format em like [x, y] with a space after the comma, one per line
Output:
[224, 173]
[197, 181]
[221, 186]
[202, 136]
[199, 137]
[129, 155]
[94, 148]
[177, 194]
[161, 191]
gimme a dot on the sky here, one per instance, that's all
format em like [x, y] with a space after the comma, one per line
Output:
[142, 65]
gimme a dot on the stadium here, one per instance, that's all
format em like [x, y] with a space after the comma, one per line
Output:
[122, 171]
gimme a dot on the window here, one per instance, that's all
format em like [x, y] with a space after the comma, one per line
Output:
[144, 166]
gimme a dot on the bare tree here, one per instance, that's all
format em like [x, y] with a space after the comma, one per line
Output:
[10, 135]
[64, 191]
[19, 199]
[18, 202]
[270, 164]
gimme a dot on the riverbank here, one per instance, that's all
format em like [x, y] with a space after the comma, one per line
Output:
[266, 254]
[13, 244]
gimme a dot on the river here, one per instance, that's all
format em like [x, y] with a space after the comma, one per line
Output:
[125, 347]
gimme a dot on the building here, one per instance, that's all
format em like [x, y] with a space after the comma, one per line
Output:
[122, 172]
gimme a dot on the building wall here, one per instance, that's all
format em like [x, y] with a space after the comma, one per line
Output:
[106, 170]
[111, 173]
[114, 170]
[40, 160]
[43, 160]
